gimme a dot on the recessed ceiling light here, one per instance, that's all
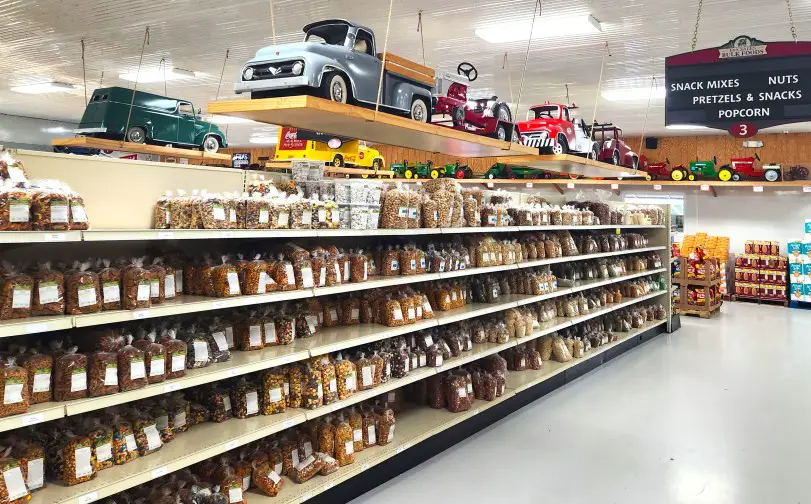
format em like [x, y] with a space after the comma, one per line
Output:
[44, 87]
[544, 27]
[264, 140]
[633, 94]
[686, 127]
[146, 76]
[57, 129]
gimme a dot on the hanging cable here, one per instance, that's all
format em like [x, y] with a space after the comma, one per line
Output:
[422, 40]
[568, 101]
[219, 85]
[84, 75]
[101, 80]
[645, 124]
[538, 7]
[698, 19]
[791, 21]
[135, 85]
[162, 62]
[607, 52]
[272, 22]
[383, 63]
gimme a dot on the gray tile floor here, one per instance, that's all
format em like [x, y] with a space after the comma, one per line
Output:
[718, 412]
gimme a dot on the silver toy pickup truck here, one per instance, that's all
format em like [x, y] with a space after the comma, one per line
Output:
[338, 61]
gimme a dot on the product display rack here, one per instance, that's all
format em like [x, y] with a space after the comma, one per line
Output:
[209, 440]
[706, 310]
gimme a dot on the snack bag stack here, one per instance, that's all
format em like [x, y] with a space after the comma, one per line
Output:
[760, 272]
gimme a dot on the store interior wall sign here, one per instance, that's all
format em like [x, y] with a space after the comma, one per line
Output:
[742, 86]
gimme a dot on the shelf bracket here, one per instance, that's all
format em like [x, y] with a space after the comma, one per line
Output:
[712, 190]
[557, 188]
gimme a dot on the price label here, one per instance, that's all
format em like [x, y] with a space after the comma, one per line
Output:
[32, 419]
[529, 185]
[336, 407]
[489, 185]
[289, 423]
[569, 185]
[89, 497]
[476, 411]
[36, 328]
[216, 305]
[615, 186]
[54, 237]
[140, 314]
[365, 467]
[160, 471]
[757, 188]
[657, 187]
[231, 373]
[419, 182]
[166, 235]
[171, 387]
[807, 188]
[401, 449]
[705, 187]
[227, 234]
[329, 485]
[306, 496]
[230, 445]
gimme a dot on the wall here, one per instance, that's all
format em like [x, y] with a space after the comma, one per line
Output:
[786, 149]
[745, 215]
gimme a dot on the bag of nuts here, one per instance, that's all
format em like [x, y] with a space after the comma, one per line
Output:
[346, 376]
[32, 461]
[15, 208]
[15, 293]
[48, 292]
[50, 210]
[131, 367]
[154, 355]
[70, 374]
[245, 399]
[136, 286]
[198, 351]
[225, 278]
[103, 379]
[73, 461]
[39, 367]
[175, 353]
[14, 398]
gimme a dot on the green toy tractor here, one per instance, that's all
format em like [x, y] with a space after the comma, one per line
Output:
[503, 171]
[702, 170]
[416, 170]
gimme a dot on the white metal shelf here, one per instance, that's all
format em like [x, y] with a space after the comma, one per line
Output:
[40, 236]
[583, 257]
[334, 339]
[33, 325]
[212, 439]
[102, 235]
[38, 413]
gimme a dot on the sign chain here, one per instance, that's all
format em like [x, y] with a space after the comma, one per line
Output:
[422, 40]
[537, 11]
[698, 19]
[791, 21]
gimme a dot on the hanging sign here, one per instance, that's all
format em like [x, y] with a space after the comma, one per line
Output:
[742, 87]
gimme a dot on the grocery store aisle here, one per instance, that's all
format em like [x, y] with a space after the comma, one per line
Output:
[717, 412]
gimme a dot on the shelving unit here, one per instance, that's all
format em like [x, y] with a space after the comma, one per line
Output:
[157, 150]
[572, 165]
[318, 114]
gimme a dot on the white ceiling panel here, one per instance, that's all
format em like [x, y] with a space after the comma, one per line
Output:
[40, 41]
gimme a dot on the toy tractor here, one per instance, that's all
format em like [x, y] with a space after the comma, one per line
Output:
[749, 168]
[796, 173]
[503, 171]
[485, 116]
[416, 171]
[663, 171]
[699, 170]
[457, 171]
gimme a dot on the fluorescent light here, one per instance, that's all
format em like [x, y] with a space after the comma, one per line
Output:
[157, 75]
[686, 127]
[57, 129]
[44, 87]
[264, 140]
[633, 94]
[545, 27]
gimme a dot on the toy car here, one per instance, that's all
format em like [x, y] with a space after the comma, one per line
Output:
[503, 171]
[337, 60]
[553, 130]
[612, 146]
[154, 119]
[485, 116]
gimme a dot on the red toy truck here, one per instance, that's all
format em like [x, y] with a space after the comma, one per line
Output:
[552, 128]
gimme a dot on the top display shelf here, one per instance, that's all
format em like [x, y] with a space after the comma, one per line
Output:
[318, 114]
[156, 150]
[572, 165]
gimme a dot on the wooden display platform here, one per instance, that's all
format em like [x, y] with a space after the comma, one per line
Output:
[697, 282]
[157, 150]
[318, 114]
[759, 300]
[655, 185]
[344, 170]
[570, 164]
[683, 310]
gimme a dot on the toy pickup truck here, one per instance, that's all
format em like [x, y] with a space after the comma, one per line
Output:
[337, 60]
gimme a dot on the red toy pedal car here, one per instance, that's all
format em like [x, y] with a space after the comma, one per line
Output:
[485, 116]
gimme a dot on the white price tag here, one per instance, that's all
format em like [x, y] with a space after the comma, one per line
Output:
[615, 186]
[227, 234]
[529, 185]
[230, 445]
[216, 305]
[140, 314]
[401, 448]
[289, 423]
[489, 185]
[807, 188]
[166, 235]
[88, 498]
[36, 328]
[705, 187]
[329, 485]
[657, 187]
[32, 419]
[54, 237]
[757, 188]
[569, 185]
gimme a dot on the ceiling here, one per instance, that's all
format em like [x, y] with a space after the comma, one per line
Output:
[41, 41]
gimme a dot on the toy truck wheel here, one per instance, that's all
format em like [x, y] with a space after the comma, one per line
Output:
[595, 152]
[376, 164]
[419, 110]
[501, 131]
[491, 176]
[725, 174]
[772, 175]
[615, 158]
[561, 146]
[736, 177]
[691, 177]
[458, 115]
[211, 144]
[334, 87]
[136, 134]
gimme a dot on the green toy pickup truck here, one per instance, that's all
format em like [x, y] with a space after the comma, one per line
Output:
[154, 119]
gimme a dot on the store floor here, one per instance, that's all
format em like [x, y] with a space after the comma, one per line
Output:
[718, 412]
